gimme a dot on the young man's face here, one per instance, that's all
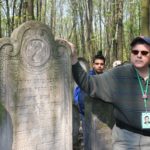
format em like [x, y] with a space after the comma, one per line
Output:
[98, 66]
[140, 55]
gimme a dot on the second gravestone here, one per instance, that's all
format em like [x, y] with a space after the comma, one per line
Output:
[35, 90]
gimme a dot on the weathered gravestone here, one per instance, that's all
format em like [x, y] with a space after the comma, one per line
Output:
[76, 125]
[35, 90]
[99, 121]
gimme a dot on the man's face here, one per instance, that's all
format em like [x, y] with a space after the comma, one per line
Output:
[140, 56]
[98, 66]
[146, 119]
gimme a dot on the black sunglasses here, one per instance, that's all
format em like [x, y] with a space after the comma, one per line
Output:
[136, 52]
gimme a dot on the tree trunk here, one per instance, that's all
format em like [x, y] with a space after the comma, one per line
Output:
[89, 21]
[13, 14]
[100, 26]
[53, 16]
[0, 19]
[24, 11]
[20, 12]
[120, 30]
[30, 8]
[82, 32]
[8, 18]
[145, 17]
[113, 49]
[44, 11]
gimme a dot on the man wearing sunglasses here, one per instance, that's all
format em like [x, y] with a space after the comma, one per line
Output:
[127, 87]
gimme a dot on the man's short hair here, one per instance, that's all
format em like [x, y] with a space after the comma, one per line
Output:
[99, 55]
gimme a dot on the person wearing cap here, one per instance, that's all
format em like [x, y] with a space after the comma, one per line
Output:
[117, 63]
[127, 87]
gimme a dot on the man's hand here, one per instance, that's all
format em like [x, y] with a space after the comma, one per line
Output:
[72, 47]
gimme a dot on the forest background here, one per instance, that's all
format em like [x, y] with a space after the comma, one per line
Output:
[92, 25]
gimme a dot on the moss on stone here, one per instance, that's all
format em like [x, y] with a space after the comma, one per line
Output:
[1, 112]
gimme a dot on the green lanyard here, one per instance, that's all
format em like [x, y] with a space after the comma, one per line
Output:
[144, 92]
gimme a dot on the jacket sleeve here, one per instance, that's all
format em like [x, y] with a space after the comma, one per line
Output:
[76, 95]
[97, 86]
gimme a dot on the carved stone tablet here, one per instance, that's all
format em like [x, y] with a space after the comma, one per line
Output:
[99, 121]
[35, 90]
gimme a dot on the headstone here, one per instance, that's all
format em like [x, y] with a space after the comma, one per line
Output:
[35, 90]
[99, 121]
[76, 125]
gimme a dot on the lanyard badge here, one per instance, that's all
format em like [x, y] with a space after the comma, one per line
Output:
[145, 120]
[145, 116]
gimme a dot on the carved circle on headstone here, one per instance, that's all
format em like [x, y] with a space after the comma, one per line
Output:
[35, 54]
[61, 51]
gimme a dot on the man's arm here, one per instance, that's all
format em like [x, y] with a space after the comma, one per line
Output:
[97, 86]
[74, 57]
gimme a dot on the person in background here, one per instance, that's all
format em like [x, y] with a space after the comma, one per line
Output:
[98, 65]
[117, 63]
[77, 93]
[98, 68]
[127, 87]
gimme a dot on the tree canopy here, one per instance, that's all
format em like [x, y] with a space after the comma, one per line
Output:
[92, 25]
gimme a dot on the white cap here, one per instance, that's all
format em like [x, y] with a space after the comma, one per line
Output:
[116, 63]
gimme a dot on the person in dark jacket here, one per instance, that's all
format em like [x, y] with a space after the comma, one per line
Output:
[127, 87]
[78, 94]
[98, 64]
[98, 68]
